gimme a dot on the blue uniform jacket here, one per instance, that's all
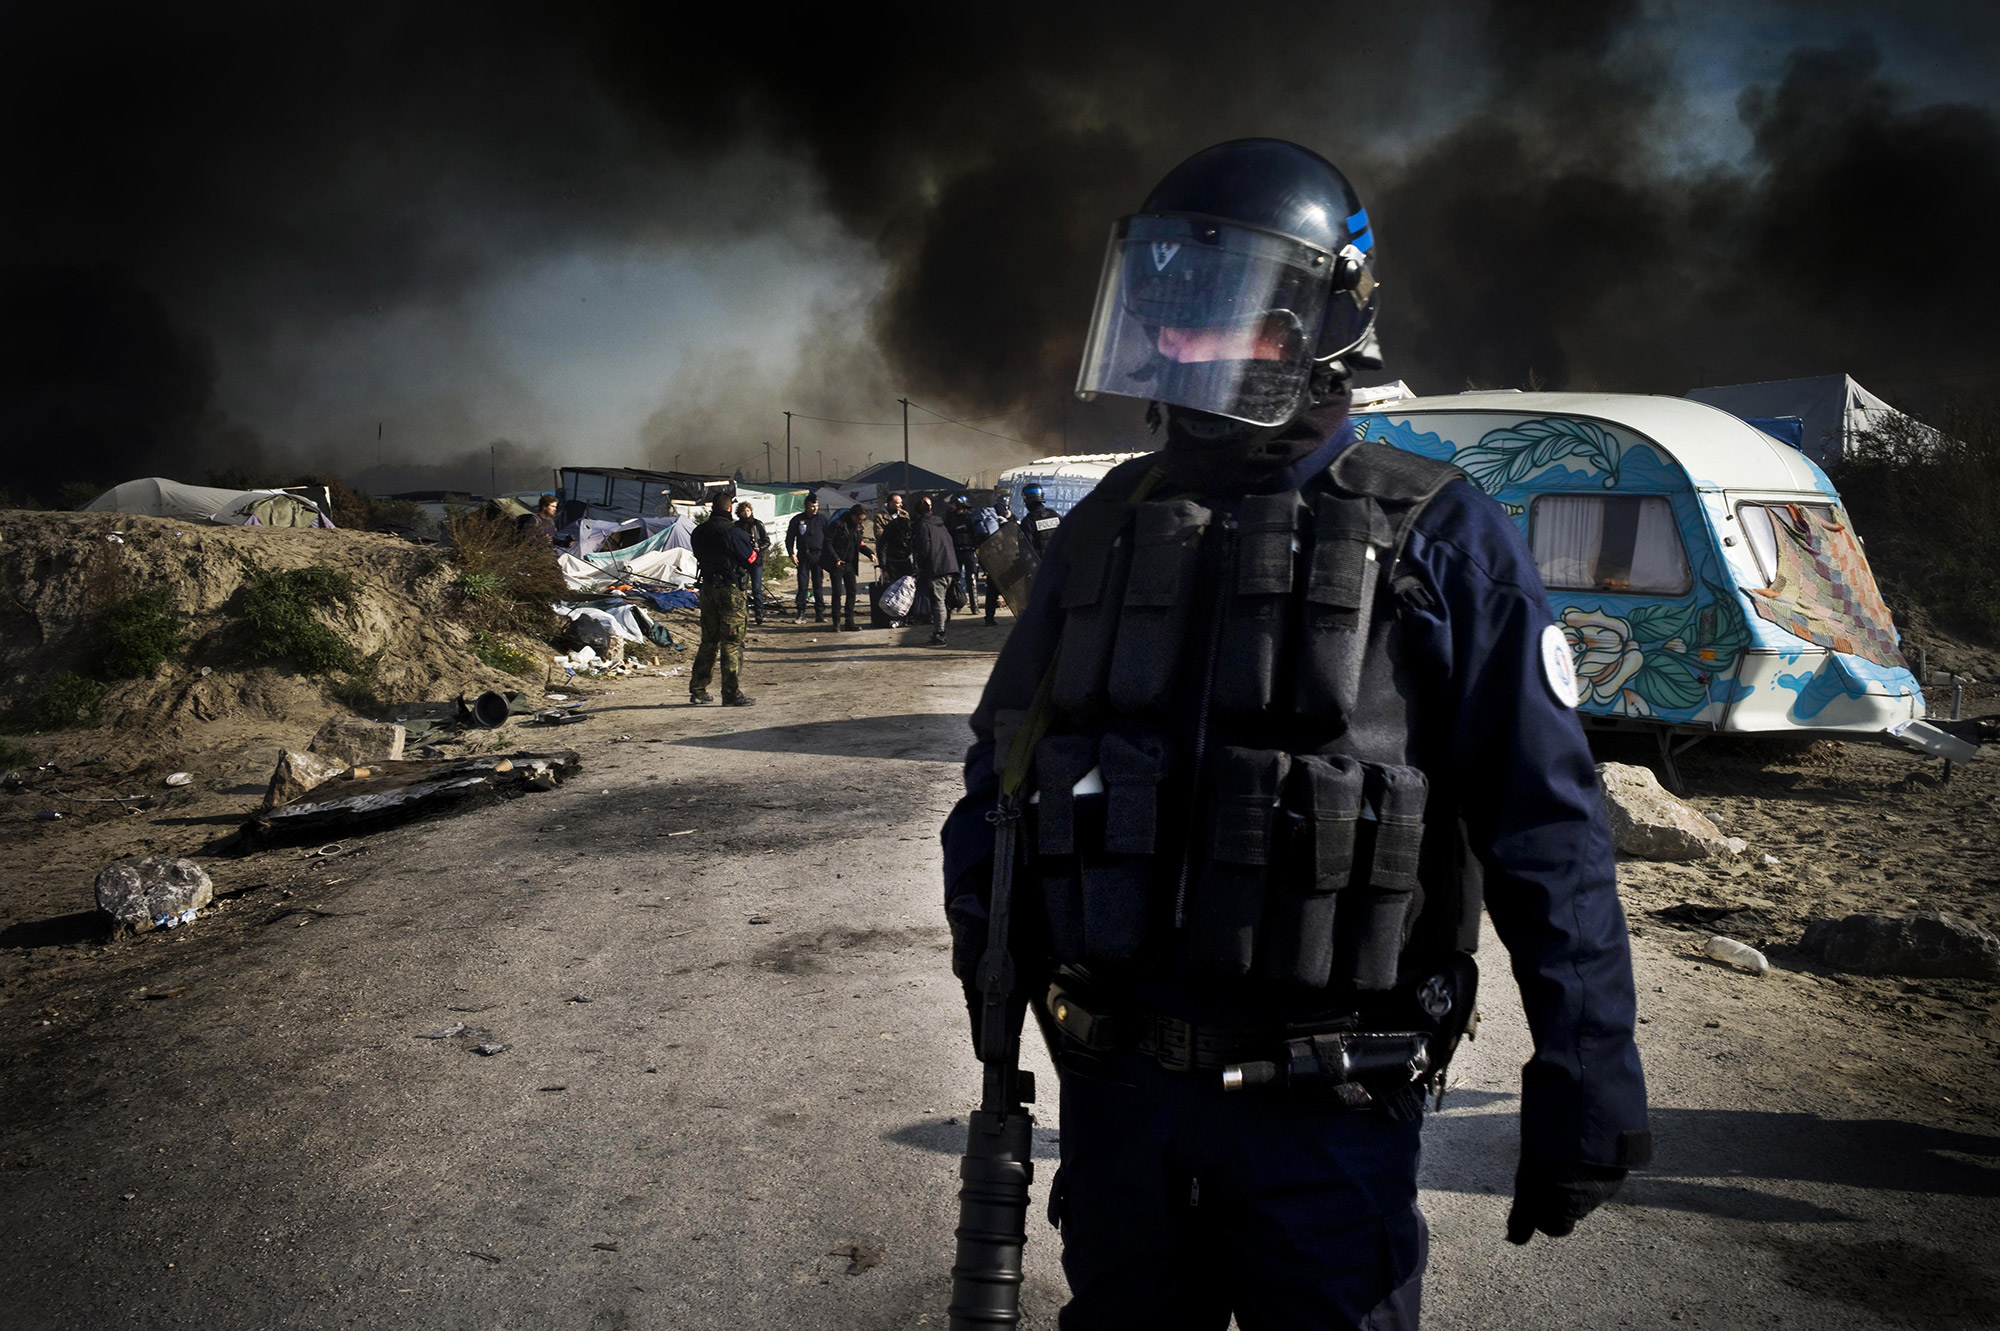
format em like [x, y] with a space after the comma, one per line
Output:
[1529, 793]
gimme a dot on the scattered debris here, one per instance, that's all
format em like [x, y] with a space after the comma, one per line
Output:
[158, 995]
[407, 789]
[1649, 823]
[600, 1247]
[483, 1256]
[488, 1050]
[1925, 944]
[443, 1033]
[1739, 918]
[158, 891]
[859, 1258]
[180, 778]
[1732, 953]
[47, 815]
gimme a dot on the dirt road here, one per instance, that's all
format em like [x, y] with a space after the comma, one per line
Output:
[735, 1071]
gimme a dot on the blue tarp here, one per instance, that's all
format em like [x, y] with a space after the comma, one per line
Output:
[680, 600]
[1785, 429]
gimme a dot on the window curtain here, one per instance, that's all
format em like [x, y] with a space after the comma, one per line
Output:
[1609, 543]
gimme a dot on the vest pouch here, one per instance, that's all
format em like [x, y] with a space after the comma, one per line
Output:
[1323, 809]
[1100, 554]
[1228, 895]
[1375, 911]
[1246, 672]
[1339, 603]
[1153, 622]
[1060, 762]
[1117, 882]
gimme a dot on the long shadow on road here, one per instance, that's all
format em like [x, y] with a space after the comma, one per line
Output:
[915, 736]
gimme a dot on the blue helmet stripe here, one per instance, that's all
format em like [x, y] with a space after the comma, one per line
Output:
[1358, 222]
[1364, 242]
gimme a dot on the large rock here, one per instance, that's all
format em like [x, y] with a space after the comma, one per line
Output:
[297, 773]
[358, 743]
[144, 894]
[1648, 822]
[1925, 944]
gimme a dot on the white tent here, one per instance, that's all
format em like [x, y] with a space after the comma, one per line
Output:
[1831, 409]
[158, 497]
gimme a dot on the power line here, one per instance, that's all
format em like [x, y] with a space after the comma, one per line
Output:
[962, 425]
[942, 420]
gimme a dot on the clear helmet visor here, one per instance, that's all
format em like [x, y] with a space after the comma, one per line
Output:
[1199, 313]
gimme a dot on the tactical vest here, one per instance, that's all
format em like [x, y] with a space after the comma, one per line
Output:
[1231, 784]
[710, 543]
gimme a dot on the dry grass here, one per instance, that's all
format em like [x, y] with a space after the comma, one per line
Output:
[505, 579]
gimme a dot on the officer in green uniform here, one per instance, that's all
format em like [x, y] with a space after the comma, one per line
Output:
[726, 554]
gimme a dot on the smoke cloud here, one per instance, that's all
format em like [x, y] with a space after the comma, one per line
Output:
[239, 231]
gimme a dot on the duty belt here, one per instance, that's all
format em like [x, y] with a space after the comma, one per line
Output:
[1248, 1057]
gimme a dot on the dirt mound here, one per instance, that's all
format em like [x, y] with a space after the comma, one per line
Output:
[61, 573]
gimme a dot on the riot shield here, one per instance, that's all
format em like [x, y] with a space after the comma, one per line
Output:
[1010, 561]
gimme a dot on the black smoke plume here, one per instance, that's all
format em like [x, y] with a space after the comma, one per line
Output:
[191, 183]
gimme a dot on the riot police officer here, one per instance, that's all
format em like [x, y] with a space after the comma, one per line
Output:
[1283, 709]
[1041, 522]
[726, 554]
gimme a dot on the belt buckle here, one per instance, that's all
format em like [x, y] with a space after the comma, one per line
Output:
[1173, 1043]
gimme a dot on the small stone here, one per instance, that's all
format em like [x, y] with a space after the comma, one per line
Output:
[137, 893]
[1713, 1025]
[488, 1050]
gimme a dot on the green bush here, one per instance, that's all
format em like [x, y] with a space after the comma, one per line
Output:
[281, 610]
[497, 652]
[361, 686]
[140, 632]
[15, 755]
[507, 578]
[65, 699]
[75, 494]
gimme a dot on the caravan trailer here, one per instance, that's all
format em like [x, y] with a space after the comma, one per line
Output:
[1705, 574]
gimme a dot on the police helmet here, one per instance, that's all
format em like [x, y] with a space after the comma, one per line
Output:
[1243, 287]
[1030, 493]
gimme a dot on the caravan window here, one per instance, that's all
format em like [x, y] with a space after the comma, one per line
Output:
[1763, 537]
[1608, 543]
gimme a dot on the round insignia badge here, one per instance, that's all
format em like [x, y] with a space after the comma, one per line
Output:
[1558, 669]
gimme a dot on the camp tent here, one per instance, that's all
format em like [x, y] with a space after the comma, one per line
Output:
[1064, 480]
[1705, 576]
[158, 497]
[1830, 410]
[893, 475]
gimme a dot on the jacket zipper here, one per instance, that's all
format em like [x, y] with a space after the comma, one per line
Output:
[1224, 579]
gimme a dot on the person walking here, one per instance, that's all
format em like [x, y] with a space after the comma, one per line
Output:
[990, 521]
[726, 554]
[1292, 707]
[893, 538]
[937, 566]
[759, 533]
[805, 543]
[844, 548]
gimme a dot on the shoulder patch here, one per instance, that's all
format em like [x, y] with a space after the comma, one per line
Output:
[1558, 668]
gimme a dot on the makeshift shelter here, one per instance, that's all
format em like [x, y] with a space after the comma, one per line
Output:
[892, 475]
[631, 492]
[159, 497]
[1829, 411]
[1705, 575]
[1064, 480]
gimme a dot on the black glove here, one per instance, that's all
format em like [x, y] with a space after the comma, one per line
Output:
[1552, 1197]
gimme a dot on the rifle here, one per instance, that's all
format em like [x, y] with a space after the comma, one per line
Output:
[999, 1141]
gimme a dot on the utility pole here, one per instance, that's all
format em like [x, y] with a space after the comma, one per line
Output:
[767, 459]
[820, 453]
[906, 448]
[788, 448]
